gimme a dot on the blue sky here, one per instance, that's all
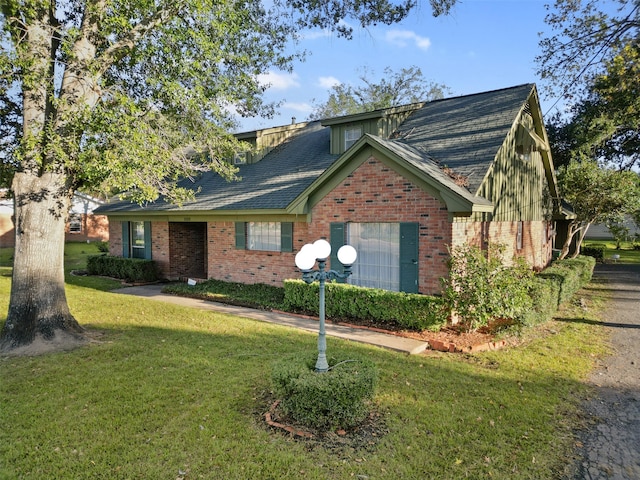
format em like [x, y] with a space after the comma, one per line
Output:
[482, 45]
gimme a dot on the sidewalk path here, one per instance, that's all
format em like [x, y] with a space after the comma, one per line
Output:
[610, 447]
[361, 335]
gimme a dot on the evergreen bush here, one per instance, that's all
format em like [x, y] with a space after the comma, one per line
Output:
[343, 301]
[131, 269]
[595, 251]
[338, 398]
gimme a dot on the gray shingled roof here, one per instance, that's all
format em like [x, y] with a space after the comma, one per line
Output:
[462, 133]
[465, 133]
[272, 183]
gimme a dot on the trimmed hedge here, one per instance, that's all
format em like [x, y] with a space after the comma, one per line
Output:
[595, 251]
[557, 284]
[343, 301]
[131, 269]
[336, 398]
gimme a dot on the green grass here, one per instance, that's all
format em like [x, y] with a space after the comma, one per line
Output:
[255, 296]
[168, 390]
[627, 253]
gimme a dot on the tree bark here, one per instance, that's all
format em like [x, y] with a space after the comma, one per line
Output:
[39, 319]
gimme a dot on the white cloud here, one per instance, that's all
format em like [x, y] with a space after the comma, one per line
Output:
[279, 81]
[298, 107]
[402, 38]
[328, 82]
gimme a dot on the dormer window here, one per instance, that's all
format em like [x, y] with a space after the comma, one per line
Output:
[240, 158]
[351, 136]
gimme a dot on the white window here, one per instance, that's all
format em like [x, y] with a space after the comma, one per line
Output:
[351, 136]
[75, 223]
[378, 247]
[263, 236]
[137, 239]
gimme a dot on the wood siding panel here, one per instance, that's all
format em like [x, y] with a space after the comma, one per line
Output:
[518, 188]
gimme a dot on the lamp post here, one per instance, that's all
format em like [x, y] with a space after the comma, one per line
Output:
[305, 260]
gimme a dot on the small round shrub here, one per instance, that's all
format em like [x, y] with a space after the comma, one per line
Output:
[337, 398]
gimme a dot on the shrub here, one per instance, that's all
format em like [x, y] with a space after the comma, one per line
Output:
[337, 398]
[557, 284]
[412, 311]
[103, 247]
[255, 295]
[480, 288]
[570, 275]
[132, 269]
[595, 251]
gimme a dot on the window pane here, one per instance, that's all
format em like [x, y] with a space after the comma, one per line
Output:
[137, 239]
[378, 263]
[351, 136]
[263, 236]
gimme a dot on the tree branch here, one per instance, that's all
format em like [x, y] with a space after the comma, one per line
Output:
[125, 44]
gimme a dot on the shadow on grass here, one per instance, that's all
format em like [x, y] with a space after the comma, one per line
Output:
[148, 398]
[588, 321]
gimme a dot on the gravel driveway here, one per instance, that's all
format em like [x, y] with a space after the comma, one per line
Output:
[610, 447]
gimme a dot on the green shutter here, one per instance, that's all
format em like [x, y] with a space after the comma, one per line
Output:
[336, 239]
[147, 240]
[125, 240]
[286, 237]
[241, 239]
[409, 234]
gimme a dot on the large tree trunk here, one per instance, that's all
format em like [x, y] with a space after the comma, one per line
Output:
[39, 319]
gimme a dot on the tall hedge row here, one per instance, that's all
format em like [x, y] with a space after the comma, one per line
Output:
[550, 288]
[557, 284]
[343, 301]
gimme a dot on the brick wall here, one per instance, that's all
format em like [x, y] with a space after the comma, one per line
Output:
[115, 238]
[187, 247]
[536, 246]
[94, 228]
[160, 251]
[375, 193]
[228, 263]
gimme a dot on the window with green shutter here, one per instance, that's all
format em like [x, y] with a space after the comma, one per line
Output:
[387, 254]
[265, 236]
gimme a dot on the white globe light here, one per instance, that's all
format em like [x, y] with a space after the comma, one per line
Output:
[347, 255]
[322, 248]
[307, 247]
[305, 260]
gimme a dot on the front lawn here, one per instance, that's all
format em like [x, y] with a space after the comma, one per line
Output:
[627, 252]
[172, 392]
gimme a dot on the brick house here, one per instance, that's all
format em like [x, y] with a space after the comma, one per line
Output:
[401, 185]
[82, 226]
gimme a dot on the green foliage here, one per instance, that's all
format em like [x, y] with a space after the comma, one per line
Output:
[171, 388]
[480, 288]
[132, 269]
[343, 301]
[595, 251]
[337, 398]
[394, 89]
[102, 247]
[256, 295]
[570, 275]
[555, 286]
[596, 194]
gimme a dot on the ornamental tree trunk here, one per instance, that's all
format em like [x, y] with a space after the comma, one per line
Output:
[39, 319]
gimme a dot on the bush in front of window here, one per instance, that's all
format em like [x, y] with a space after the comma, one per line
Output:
[338, 398]
[343, 301]
[130, 269]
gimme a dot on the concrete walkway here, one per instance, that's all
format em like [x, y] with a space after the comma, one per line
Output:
[361, 335]
[609, 449]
